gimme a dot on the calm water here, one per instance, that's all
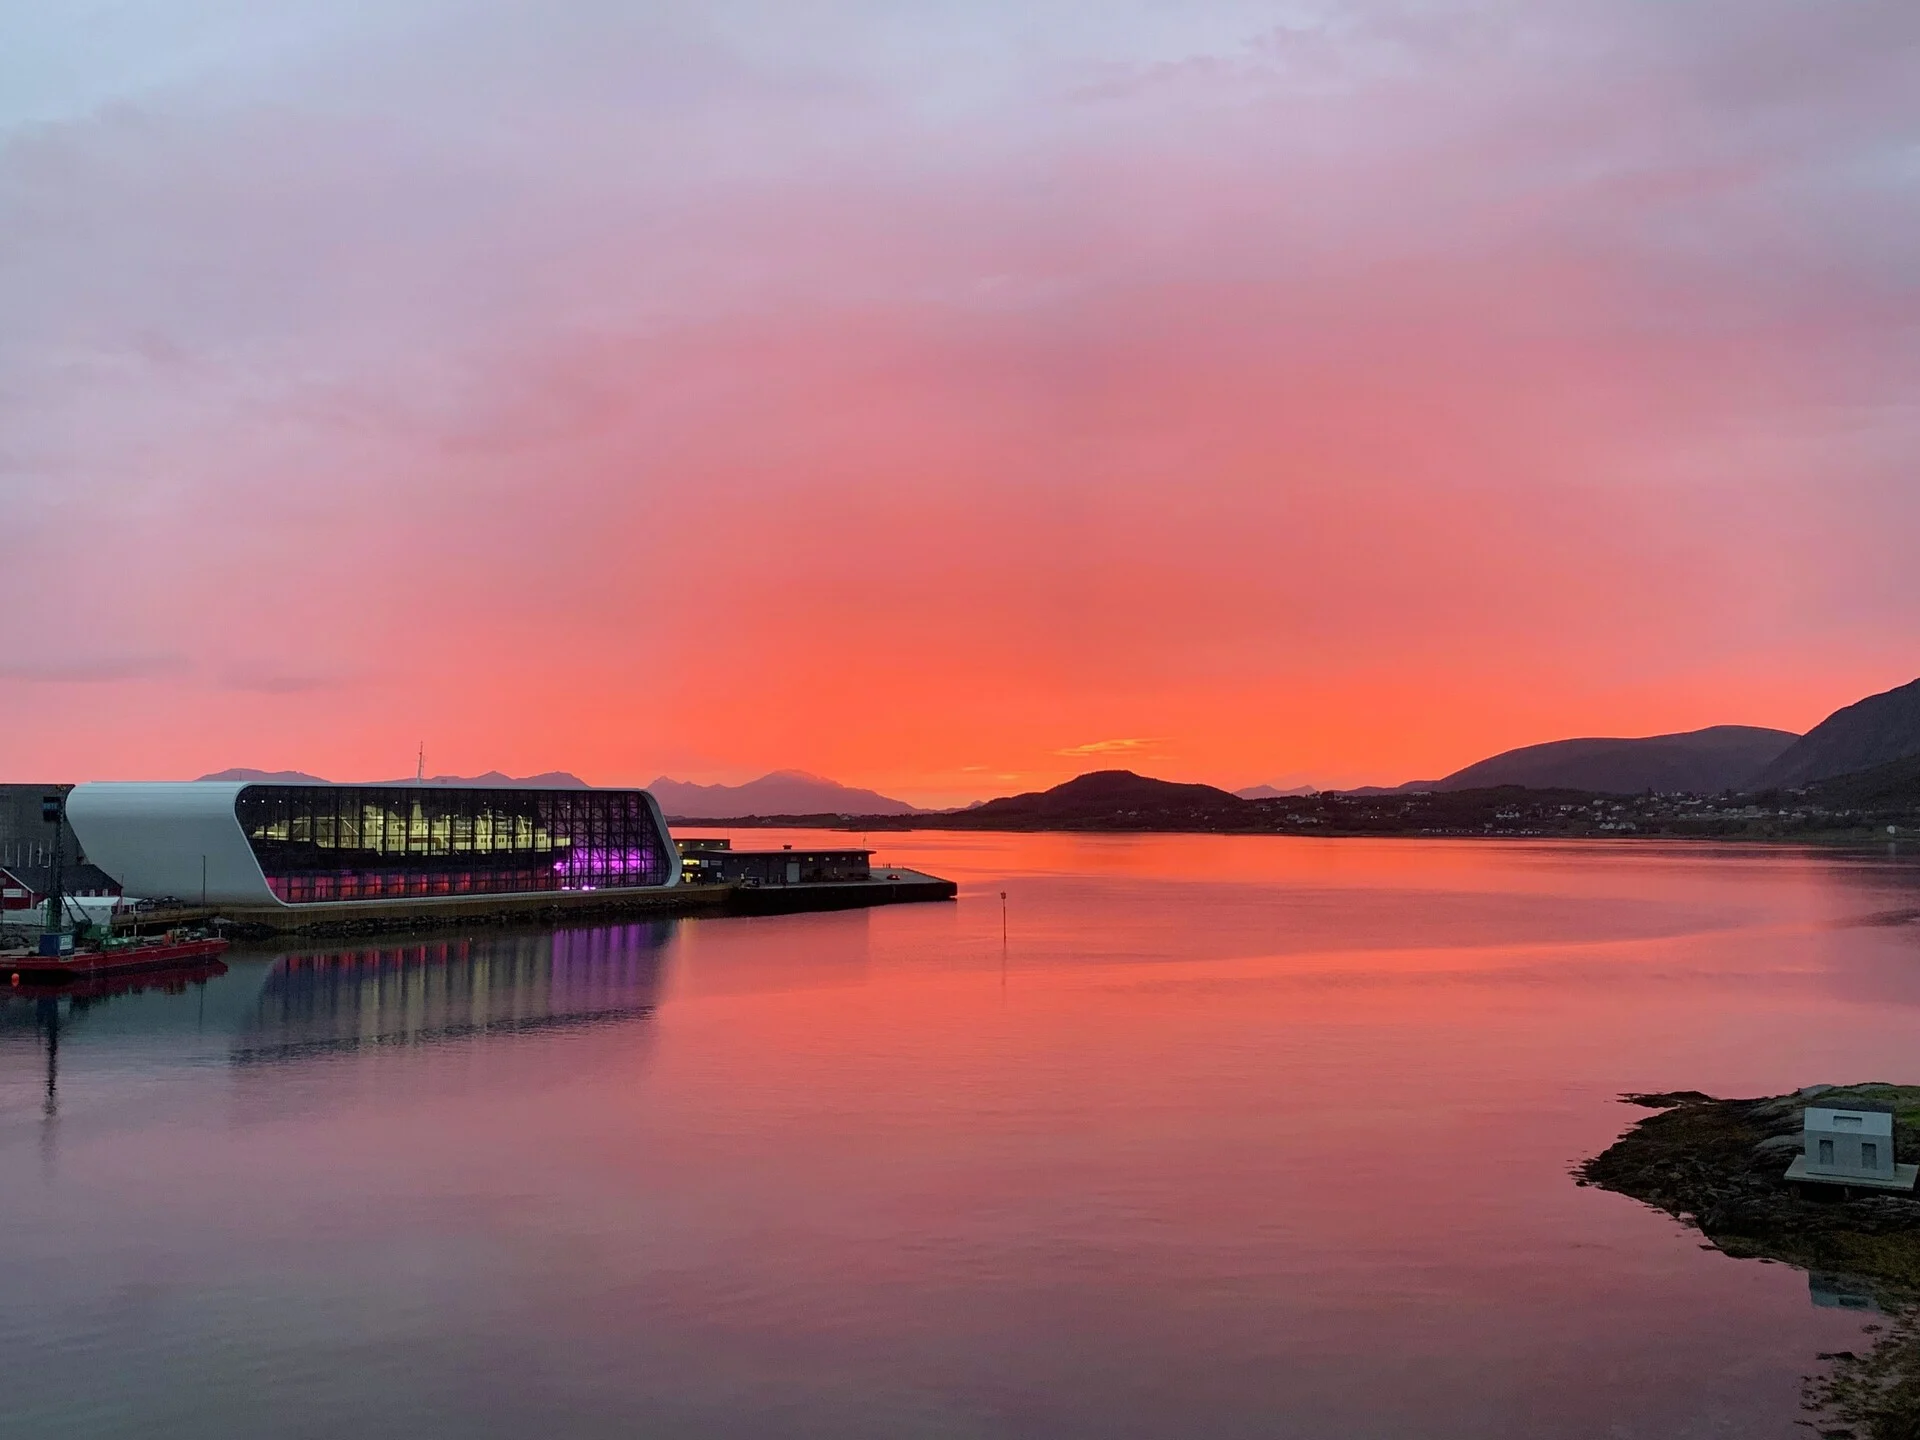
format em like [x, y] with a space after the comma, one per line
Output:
[1234, 1137]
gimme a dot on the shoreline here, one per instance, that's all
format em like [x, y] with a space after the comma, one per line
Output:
[1865, 842]
[1719, 1168]
[371, 919]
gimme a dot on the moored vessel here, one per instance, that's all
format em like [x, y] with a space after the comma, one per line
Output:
[112, 959]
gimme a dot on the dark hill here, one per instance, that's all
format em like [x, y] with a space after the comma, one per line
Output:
[1895, 786]
[1722, 757]
[1117, 796]
[1871, 732]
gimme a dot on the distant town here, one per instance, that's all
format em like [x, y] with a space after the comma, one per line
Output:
[1122, 801]
[1854, 777]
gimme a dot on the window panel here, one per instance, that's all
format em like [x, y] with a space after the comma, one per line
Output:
[319, 843]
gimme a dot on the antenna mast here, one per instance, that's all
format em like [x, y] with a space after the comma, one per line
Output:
[420, 770]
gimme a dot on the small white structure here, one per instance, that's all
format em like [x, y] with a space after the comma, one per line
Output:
[1852, 1148]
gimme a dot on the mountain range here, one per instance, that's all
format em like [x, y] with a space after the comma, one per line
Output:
[491, 780]
[1722, 757]
[1878, 731]
[1867, 749]
[264, 777]
[784, 792]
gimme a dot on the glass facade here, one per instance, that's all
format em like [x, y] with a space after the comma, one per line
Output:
[380, 842]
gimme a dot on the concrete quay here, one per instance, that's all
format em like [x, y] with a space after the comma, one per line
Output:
[412, 914]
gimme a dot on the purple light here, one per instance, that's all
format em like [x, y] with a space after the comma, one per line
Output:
[590, 869]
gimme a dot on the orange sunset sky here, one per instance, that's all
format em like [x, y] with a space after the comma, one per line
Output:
[949, 397]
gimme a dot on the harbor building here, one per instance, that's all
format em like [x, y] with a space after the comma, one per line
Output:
[234, 843]
[716, 861]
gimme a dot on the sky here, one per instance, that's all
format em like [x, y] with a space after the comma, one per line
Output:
[948, 397]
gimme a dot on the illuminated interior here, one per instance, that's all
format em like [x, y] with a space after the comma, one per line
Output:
[320, 843]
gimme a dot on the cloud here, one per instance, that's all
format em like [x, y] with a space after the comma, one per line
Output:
[1110, 747]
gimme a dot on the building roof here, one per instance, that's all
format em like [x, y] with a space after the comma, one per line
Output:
[793, 853]
[1860, 1119]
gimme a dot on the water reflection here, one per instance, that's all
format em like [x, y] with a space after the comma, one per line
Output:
[347, 999]
[1842, 1292]
[884, 1173]
[45, 1010]
[267, 1007]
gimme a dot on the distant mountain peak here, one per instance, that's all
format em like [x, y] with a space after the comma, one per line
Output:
[779, 792]
[1102, 794]
[497, 780]
[491, 780]
[262, 777]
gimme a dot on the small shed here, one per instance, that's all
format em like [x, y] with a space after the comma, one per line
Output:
[1851, 1146]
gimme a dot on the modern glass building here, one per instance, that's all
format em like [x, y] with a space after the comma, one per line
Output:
[233, 843]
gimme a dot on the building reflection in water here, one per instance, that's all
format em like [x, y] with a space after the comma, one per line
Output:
[446, 989]
[1842, 1292]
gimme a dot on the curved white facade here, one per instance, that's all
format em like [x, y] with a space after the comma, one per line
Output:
[178, 839]
[191, 840]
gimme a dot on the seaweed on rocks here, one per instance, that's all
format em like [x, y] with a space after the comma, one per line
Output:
[1720, 1167]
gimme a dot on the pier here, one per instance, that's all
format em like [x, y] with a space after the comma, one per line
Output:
[890, 885]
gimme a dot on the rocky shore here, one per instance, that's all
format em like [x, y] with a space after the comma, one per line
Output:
[1720, 1166]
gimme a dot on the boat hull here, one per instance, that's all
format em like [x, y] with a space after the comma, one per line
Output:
[90, 964]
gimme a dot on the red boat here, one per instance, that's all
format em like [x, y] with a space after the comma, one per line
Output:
[173, 979]
[113, 960]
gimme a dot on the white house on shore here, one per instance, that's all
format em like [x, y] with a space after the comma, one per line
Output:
[1851, 1147]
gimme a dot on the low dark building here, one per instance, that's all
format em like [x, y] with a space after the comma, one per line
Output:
[716, 861]
[697, 862]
